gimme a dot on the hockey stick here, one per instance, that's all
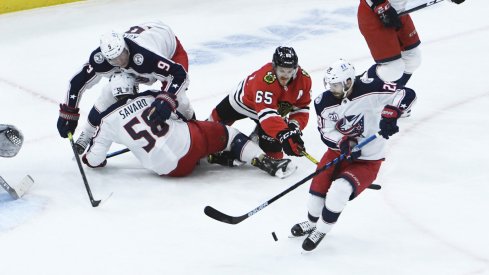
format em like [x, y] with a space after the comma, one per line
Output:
[309, 157]
[373, 186]
[95, 203]
[116, 153]
[219, 216]
[17, 191]
[422, 6]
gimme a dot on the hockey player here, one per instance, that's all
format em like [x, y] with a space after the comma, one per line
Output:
[277, 98]
[171, 147]
[150, 51]
[392, 39]
[352, 109]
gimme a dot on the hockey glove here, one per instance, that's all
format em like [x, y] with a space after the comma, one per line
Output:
[458, 1]
[388, 121]
[85, 160]
[291, 141]
[162, 107]
[68, 120]
[346, 145]
[387, 14]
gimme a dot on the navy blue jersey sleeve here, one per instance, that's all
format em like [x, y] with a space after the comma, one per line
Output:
[87, 77]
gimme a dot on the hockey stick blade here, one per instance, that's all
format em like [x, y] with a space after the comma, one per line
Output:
[374, 187]
[95, 203]
[18, 190]
[219, 216]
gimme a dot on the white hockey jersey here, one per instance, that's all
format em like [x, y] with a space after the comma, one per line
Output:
[360, 113]
[151, 48]
[126, 123]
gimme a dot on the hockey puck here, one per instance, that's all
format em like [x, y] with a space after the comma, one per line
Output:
[274, 236]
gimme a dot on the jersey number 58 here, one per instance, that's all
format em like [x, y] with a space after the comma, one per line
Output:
[149, 137]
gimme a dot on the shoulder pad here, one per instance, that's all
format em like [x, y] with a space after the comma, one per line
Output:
[304, 73]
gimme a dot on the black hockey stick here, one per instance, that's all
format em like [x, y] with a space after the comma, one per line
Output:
[218, 215]
[116, 153]
[422, 6]
[95, 203]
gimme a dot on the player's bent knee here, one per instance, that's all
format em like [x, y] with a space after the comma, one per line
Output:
[391, 71]
[412, 60]
[232, 133]
[338, 195]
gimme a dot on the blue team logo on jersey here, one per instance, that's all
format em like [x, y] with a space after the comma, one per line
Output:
[352, 126]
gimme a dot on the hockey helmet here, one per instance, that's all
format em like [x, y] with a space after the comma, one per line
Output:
[112, 45]
[285, 57]
[338, 74]
[122, 84]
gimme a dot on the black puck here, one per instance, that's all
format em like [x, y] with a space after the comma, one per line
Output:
[274, 236]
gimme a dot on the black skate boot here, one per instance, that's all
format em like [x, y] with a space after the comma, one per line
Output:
[224, 158]
[276, 167]
[302, 229]
[312, 241]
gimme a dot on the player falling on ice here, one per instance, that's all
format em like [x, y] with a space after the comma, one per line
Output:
[172, 147]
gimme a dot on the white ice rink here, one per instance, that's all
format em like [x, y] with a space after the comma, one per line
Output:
[429, 218]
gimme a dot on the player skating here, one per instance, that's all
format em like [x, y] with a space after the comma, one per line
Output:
[353, 109]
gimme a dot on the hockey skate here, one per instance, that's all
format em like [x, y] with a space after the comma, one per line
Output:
[224, 158]
[312, 241]
[82, 142]
[281, 168]
[302, 229]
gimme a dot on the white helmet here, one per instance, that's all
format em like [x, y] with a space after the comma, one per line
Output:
[339, 72]
[122, 84]
[112, 44]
